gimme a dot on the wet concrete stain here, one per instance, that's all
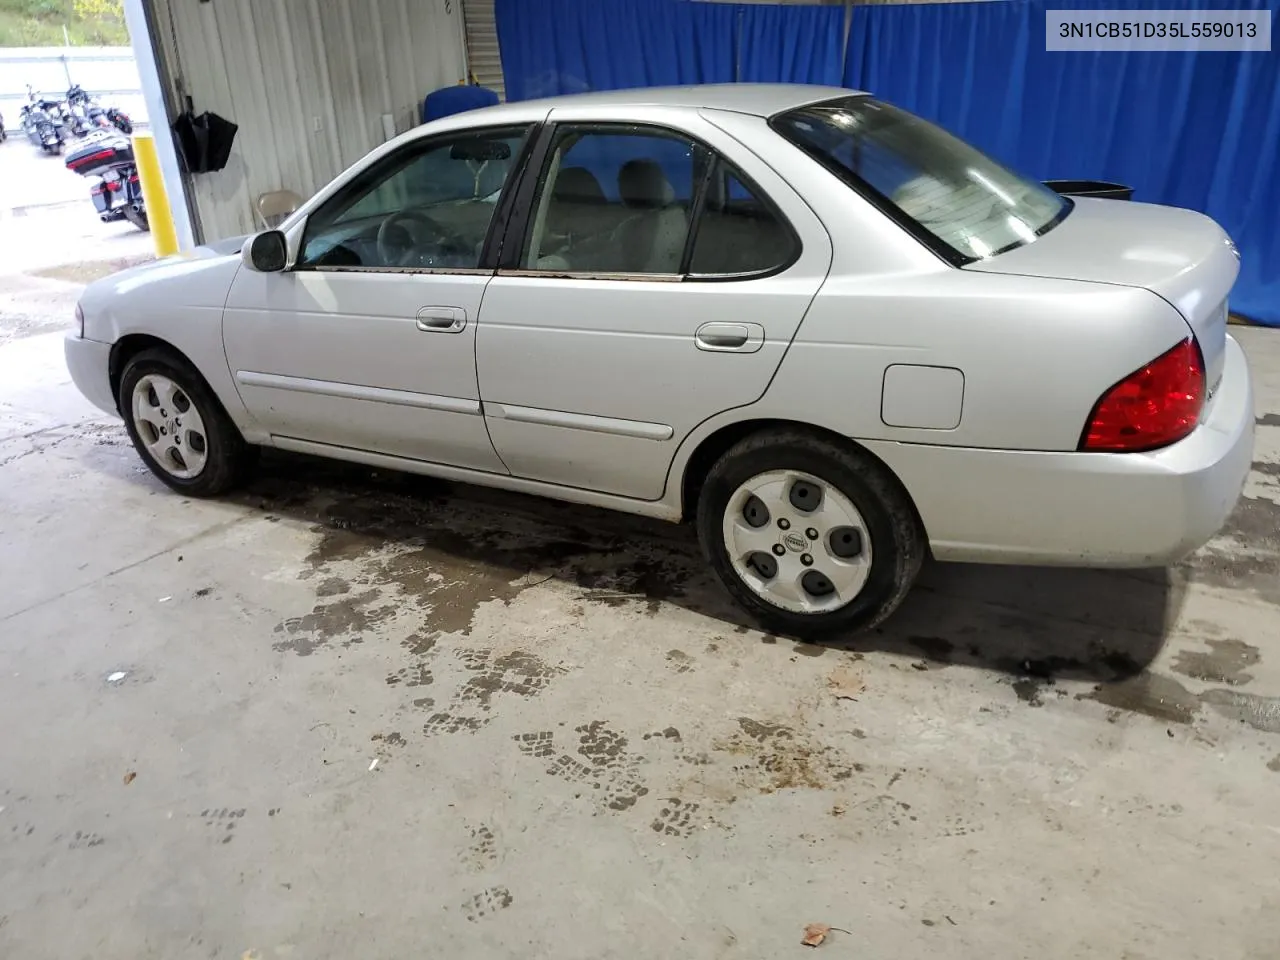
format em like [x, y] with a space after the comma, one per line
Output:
[384, 549]
[1274, 764]
[1028, 691]
[779, 757]
[1269, 420]
[680, 661]
[333, 587]
[937, 649]
[1261, 713]
[1032, 676]
[1225, 662]
[1165, 699]
[345, 620]
[1246, 554]
[1150, 694]
[1266, 468]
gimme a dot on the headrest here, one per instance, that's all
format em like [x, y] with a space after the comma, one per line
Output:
[641, 183]
[578, 185]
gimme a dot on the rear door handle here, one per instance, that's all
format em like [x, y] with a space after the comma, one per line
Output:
[442, 319]
[721, 337]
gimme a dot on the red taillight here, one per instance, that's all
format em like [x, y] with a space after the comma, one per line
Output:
[1154, 407]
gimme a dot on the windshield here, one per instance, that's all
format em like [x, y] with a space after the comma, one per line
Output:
[957, 195]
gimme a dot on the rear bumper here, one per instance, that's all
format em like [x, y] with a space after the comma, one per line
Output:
[1086, 509]
[88, 362]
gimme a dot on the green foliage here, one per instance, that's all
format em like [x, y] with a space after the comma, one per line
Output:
[39, 23]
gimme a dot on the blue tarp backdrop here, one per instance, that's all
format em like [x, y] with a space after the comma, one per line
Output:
[1197, 130]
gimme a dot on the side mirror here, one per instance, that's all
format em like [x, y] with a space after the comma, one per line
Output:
[266, 252]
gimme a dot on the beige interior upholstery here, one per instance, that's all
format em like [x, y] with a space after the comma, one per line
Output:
[275, 206]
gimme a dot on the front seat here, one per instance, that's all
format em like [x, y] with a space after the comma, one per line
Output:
[651, 239]
[576, 213]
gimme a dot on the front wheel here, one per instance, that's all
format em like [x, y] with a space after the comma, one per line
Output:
[178, 427]
[812, 537]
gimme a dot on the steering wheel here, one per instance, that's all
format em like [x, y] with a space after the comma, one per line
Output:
[398, 248]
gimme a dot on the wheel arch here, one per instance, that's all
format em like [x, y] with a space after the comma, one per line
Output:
[712, 447]
[132, 344]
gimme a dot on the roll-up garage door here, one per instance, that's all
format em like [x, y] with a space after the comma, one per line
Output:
[482, 44]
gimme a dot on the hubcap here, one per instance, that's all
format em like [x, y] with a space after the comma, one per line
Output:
[797, 542]
[169, 426]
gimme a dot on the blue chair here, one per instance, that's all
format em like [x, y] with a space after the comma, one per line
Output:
[456, 99]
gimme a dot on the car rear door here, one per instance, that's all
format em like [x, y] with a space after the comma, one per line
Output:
[656, 279]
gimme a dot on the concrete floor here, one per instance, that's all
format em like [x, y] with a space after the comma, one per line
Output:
[353, 714]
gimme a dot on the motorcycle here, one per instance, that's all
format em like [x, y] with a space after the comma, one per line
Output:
[120, 119]
[97, 116]
[106, 159]
[42, 121]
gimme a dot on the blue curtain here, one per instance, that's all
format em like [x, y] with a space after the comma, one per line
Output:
[553, 47]
[790, 44]
[1197, 130]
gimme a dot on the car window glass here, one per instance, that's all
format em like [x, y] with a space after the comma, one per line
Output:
[958, 195]
[737, 231]
[614, 202]
[427, 207]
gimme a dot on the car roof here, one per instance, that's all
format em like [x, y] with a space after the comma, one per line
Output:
[755, 99]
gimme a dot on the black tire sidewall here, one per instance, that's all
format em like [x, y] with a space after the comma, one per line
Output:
[223, 444]
[896, 542]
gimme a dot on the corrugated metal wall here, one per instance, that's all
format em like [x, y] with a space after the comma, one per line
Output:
[482, 45]
[308, 81]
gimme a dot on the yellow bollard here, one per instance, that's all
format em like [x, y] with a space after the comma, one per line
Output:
[163, 233]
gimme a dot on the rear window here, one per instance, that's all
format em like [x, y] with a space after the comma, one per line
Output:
[964, 203]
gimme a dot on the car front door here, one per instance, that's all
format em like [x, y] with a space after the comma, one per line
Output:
[660, 275]
[367, 342]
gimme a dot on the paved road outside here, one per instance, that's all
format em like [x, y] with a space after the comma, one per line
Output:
[346, 713]
[51, 241]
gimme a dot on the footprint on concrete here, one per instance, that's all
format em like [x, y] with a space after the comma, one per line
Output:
[609, 767]
[439, 723]
[223, 821]
[681, 661]
[676, 818]
[83, 841]
[486, 902]
[484, 847]
[540, 744]
[418, 676]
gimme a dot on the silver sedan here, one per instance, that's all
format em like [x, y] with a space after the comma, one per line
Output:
[830, 334]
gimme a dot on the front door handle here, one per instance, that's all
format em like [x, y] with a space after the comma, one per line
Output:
[721, 337]
[442, 319]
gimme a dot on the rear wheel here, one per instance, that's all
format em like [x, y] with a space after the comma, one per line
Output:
[810, 536]
[137, 217]
[178, 427]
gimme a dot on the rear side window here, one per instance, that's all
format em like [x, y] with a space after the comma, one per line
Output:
[738, 232]
[626, 200]
[963, 203]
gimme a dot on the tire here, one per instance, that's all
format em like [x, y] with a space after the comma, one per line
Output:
[791, 461]
[224, 456]
[138, 218]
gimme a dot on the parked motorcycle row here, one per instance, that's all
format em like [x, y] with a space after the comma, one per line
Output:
[49, 123]
[101, 150]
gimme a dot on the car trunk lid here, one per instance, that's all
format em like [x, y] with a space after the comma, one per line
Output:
[1180, 255]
